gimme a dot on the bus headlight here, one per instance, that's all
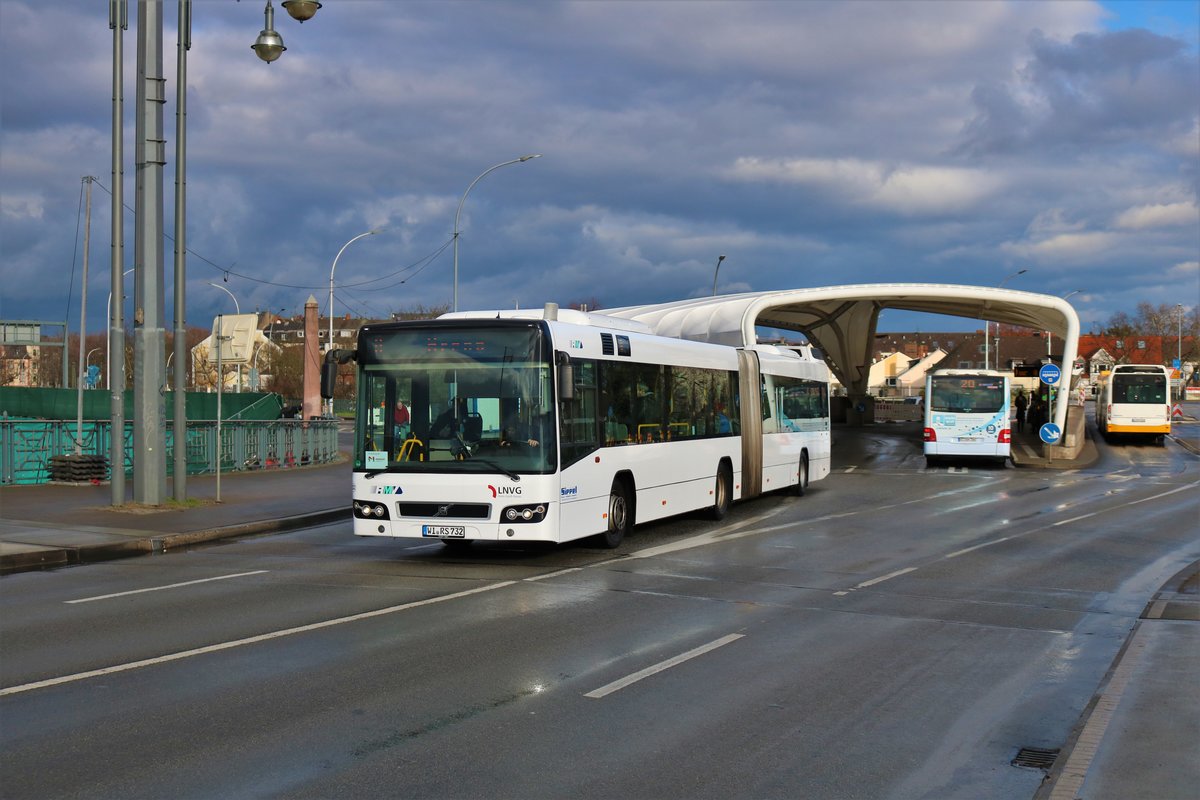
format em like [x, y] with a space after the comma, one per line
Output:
[367, 510]
[529, 513]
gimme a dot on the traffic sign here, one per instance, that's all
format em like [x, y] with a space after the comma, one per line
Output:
[1049, 433]
[1049, 373]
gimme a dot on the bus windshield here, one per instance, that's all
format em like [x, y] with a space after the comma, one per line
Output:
[967, 394]
[467, 399]
[1139, 387]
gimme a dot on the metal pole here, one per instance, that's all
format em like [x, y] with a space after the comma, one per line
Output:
[520, 160]
[87, 237]
[179, 415]
[220, 385]
[118, 21]
[149, 434]
[715, 271]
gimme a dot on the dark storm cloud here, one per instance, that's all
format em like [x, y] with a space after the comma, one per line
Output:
[1093, 88]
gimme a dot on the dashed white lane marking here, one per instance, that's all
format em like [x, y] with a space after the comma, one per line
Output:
[966, 550]
[329, 623]
[662, 665]
[168, 586]
[883, 578]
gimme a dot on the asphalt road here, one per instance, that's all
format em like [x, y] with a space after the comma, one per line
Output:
[897, 632]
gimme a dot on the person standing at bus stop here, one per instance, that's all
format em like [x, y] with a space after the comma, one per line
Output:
[1022, 404]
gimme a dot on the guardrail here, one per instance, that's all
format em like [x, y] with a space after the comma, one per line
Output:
[26, 446]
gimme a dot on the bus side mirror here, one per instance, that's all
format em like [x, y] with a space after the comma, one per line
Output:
[328, 378]
[329, 370]
[566, 376]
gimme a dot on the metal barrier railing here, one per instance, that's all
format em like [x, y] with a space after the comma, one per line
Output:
[27, 446]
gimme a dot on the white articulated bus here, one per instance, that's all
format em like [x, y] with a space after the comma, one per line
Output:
[1132, 399]
[558, 425]
[967, 414]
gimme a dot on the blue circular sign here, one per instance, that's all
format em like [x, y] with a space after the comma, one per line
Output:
[1049, 373]
[1049, 433]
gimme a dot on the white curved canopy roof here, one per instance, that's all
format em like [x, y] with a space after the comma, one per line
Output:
[841, 320]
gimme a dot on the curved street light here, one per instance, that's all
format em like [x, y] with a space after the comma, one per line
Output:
[490, 169]
[715, 271]
[987, 326]
[236, 306]
[329, 343]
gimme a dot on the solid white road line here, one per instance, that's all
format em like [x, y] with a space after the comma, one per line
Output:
[213, 648]
[662, 665]
[168, 586]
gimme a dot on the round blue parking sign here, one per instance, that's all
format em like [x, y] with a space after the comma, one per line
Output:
[1049, 433]
[1049, 373]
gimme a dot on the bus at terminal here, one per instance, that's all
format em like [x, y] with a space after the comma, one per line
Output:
[967, 414]
[551, 426]
[1133, 400]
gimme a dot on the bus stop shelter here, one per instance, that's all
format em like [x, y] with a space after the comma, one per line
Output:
[841, 321]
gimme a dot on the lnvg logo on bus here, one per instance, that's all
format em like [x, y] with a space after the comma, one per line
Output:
[504, 490]
[388, 490]
[569, 491]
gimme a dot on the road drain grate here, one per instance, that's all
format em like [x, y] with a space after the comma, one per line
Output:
[1036, 757]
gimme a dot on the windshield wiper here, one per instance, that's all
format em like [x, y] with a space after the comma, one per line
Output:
[512, 475]
[372, 473]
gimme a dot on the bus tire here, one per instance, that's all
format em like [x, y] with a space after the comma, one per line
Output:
[801, 477]
[620, 515]
[722, 492]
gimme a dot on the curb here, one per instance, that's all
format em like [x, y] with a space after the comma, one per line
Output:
[52, 557]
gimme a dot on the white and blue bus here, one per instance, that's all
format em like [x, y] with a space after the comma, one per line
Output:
[556, 425]
[967, 414]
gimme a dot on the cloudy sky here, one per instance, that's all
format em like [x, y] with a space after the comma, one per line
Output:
[811, 143]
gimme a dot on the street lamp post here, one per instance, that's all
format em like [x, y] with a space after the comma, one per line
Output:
[1179, 345]
[118, 22]
[715, 271]
[329, 343]
[220, 331]
[490, 169]
[149, 463]
[987, 326]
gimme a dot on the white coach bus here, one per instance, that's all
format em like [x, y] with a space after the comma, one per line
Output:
[967, 413]
[1133, 400]
[557, 425]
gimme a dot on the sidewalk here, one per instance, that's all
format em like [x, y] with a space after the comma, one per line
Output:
[51, 525]
[1027, 450]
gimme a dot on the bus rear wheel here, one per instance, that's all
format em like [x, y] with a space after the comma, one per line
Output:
[619, 516]
[722, 493]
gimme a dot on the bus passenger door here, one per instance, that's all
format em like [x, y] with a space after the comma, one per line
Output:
[750, 413]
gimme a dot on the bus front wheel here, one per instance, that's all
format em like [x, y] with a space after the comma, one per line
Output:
[722, 493]
[619, 516]
[801, 477]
